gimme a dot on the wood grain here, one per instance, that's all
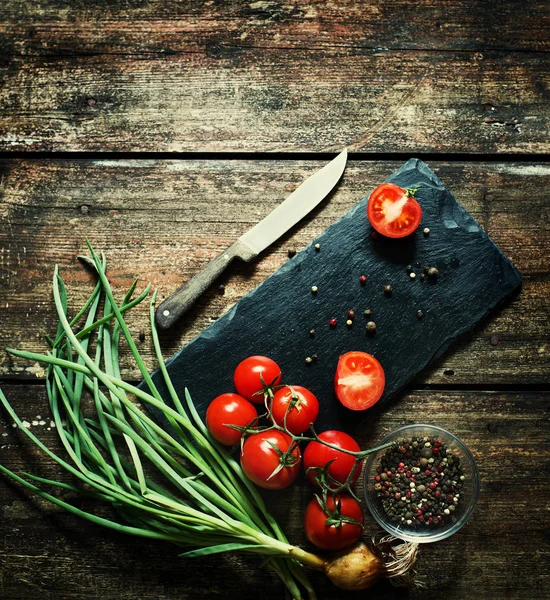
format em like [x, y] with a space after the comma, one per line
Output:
[372, 101]
[173, 26]
[162, 221]
[270, 76]
[505, 542]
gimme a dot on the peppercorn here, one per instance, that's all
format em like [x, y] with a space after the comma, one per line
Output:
[399, 500]
[351, 314]
[426, 231]
[314, 289]
[433, 272]
[309, 360]
[291, 252]
[312, 332]
[412, 275]
[363, 279]
[409, 268]
[221, 289]
[317, 247]
[314, 357]
[333, 322]
[388, 290]
[367, 312]
[419, 314]
[371, 327]
[349, 322]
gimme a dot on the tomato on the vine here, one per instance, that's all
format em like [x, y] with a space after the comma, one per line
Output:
[336, 529]
[393, 211]
[359, 380]
[229, 409]
[301, 404]
[265, 461]
[249, 374]
[318, 455]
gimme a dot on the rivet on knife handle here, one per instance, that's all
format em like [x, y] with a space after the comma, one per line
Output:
[180, 301]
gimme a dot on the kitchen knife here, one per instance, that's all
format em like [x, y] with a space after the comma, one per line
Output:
[250, 244]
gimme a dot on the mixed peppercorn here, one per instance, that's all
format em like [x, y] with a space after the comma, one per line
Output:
[418, 482]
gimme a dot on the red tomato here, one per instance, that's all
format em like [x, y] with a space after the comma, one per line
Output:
[261, 456]
[318, 455]
[229, 409]
[393, 211]
[247, 377]
[331, 531]
[359, 380]
[304, 408]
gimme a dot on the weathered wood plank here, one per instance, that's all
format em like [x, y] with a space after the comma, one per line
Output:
[133, 27]
[502, 552]
[246, 99]
[164, 220]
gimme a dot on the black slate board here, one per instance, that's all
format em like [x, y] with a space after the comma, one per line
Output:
[275, 319]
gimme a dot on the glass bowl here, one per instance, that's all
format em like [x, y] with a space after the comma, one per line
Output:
[411, 516]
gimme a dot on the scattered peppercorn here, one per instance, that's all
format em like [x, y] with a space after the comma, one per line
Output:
[333, 322]
[221, 289]
[367, 312]
[351, 314]
[412, 275]
[422, 277]
[312, 332]
[433, 272]
[419, 314]
[426, 231]
[314, 289]
[363, 279]
[317, 247]
[314, 357]
[409, 268]
[371, 327]
[349, 322]
[388, 290]
[291, 252]
[309, 360]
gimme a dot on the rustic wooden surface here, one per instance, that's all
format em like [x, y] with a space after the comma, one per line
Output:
[43, 549]
[164, 220]
[275, 76]
[250, 94]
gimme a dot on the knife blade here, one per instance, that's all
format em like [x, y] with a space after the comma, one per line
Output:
[302, 200]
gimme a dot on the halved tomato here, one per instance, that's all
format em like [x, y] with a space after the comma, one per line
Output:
[393, 211]
[359, 380]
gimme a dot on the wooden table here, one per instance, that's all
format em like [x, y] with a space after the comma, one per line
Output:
[164, 130]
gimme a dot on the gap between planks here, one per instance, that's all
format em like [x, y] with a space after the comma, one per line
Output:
[281, 156]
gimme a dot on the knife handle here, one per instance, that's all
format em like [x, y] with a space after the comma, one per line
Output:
[175, 305]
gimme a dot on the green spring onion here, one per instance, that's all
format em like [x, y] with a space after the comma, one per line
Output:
[179, 486]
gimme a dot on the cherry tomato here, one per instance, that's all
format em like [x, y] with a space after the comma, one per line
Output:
[229, 409]
[393, 211]
[328, 531]
[304, 408]
[359, 380]
[262, 461]
[247, 377]
[318, 455]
